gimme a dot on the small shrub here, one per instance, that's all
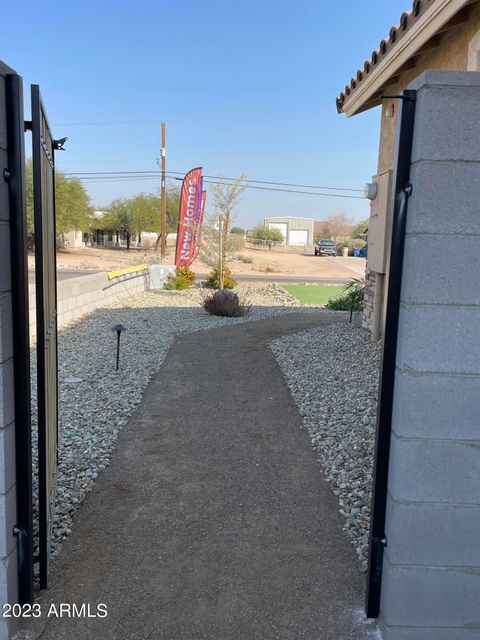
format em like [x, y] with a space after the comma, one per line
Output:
[245, 259]
[224, 303]
[350, 299]
[213, 280]
[183, 279]
[185, 272]
[236, 242]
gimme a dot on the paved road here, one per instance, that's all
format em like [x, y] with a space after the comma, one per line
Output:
[284, 279]
[64, 274]
[78, 273]
[213, 521]
[356, 265]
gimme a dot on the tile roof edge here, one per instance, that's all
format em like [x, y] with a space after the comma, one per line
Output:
[386, 46]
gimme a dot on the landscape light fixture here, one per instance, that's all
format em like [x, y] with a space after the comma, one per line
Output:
[118, 328]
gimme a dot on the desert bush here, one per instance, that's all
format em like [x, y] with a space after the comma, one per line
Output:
[236, 242]
[238, 231]
[350, 299]
[213, 280]
[224, 303]
[183, 278]
[245, 259]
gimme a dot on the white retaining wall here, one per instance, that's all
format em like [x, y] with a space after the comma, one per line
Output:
[78, 296]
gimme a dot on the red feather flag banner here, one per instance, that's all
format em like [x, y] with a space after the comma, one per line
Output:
[189, 218]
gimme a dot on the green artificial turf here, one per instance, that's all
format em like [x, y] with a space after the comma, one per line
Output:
[313, 293]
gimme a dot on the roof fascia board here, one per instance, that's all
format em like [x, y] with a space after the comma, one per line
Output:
[425, 27]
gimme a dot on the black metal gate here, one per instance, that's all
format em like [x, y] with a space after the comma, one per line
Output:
[378, 540]
[43, 149]
[43, 158]
[15, 176]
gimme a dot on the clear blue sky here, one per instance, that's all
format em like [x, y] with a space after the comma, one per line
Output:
[244, 87]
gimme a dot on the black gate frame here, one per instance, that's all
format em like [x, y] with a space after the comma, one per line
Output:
[403, 190]
[43, 158]
[15, 176]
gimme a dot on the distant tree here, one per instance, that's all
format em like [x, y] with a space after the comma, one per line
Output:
[72, 203]
[147, 209]
[238, 231]
[145, 212]
[174, 194]
[142, 212]
[263, 232]
[360, 229]
[120, 218]
[340, 225]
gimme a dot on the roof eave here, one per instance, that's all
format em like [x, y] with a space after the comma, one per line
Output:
[368, 92]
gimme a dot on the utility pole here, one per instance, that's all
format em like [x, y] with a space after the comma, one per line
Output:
[220, 249]
[163, 225]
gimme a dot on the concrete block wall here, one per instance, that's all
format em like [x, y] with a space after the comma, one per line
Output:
[431, 578]
[78, 296]
[8, 510]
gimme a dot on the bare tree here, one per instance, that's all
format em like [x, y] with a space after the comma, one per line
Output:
[225, 198]
[339, 225]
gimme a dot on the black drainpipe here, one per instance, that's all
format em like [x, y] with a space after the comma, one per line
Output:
[403, 190]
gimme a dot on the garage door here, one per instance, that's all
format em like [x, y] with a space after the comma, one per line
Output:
[281, 226]
[298, 236]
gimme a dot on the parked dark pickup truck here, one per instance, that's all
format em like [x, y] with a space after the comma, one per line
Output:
[326, 248]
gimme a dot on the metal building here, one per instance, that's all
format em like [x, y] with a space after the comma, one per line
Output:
[296, 231]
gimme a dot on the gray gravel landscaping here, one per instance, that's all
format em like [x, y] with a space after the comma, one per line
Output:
[333, 374]
[92, 412]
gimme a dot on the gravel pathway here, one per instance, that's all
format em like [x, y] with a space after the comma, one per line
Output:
[332, 373]
[92, 412]
[212, 521]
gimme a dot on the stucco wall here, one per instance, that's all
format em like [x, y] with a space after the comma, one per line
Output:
[450, 54]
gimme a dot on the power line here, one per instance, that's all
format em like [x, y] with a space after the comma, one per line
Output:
[282, 184]
[308, 193]
[222, 178]
[127, 122]
[104, 179]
